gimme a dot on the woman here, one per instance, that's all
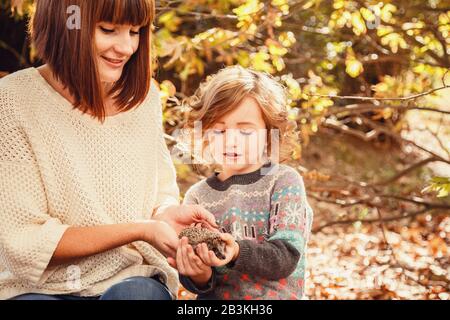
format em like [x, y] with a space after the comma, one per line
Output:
[88, 195]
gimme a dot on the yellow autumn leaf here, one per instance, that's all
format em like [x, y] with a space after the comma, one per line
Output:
[387, 11]
[199, 66]
[287, 39]
[353, 67]
[359, 26]
[294, 89]
[246, 11]
[259, 62]
[387, 113]
[394, 41]
[321, 104]
[338, 4]
[381, 87]
[278, 63]
[275, 48]
[168, 87]
[283, 5]
[384, 30]
[367, 14]
[170, 20]
[243, 58]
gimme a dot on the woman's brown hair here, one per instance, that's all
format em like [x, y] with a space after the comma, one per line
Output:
[70, 52]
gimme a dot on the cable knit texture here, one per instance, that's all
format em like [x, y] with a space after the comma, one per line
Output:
[60, 168]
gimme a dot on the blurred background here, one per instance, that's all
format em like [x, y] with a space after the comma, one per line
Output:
[369, 87]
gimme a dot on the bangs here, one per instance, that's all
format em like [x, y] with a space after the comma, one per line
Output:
[131, 12]
[221, 101]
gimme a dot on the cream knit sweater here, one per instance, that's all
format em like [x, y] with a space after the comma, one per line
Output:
[60, 168]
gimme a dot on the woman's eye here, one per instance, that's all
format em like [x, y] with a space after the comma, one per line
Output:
[217, 131]
[106, 30]
[135, 33]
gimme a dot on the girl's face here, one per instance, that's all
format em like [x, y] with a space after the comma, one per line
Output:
[237, 141]
[115, 44]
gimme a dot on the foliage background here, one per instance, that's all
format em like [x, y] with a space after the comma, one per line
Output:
[369, 89]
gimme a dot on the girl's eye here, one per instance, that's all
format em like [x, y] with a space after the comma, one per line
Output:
[135, 33]
[217, 131]
[106, 30]
[246, 132]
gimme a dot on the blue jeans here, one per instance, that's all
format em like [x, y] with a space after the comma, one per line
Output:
[136, 288]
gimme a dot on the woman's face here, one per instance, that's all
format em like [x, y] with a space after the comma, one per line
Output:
[115, 44]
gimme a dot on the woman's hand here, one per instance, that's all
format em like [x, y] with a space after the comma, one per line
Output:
[182, 217]
[161, 236]
[190, 265]
[209, 257]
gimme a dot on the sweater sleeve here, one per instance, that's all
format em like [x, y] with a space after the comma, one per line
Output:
[28, 234]
[168, 191]
[290, 225]
[190, 198]
[189, 285]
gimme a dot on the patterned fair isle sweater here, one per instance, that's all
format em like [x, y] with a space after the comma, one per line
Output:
[268, 214]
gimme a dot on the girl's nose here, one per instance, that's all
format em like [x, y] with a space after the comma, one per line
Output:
[231, 137]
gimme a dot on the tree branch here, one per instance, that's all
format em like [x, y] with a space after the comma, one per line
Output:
[367, 107]
[334, 124]
[417, 201]
[405, 171]
[372, 220]
[199, 15]
[412, 97]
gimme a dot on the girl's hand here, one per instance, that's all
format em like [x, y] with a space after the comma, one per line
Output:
[209, 257]
[189, 264]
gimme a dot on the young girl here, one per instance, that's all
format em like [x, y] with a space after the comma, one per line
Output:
[259, 205]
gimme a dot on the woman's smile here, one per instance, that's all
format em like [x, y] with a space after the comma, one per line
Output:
[114, 63]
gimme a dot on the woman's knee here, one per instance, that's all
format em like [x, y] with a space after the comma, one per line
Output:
[137, 288]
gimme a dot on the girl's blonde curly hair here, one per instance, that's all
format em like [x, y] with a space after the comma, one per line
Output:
[224, 91]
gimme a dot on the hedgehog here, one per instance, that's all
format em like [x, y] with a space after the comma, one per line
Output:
[212, 239]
